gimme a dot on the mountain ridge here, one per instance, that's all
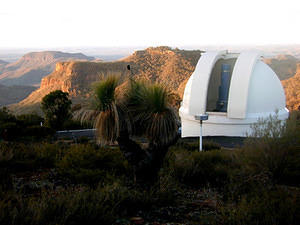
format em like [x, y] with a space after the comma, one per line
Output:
[285, 66]
[33, 66]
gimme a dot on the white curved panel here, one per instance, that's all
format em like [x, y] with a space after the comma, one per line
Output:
[239, 84]
[266, 93]
[194, 98]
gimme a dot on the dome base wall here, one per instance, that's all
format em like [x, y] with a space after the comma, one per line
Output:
[219, 125]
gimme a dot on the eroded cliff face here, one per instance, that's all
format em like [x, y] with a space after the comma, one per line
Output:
[292, 90]
[60, 78]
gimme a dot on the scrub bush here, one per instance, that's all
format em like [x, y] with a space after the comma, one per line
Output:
[274, 149]
[266, 206]
[193, 145]
[87, 164]
[81, 205]
[202, 168]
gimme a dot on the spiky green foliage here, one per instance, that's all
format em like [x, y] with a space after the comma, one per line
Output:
[105, 92]
[107, 121]
[104, 110]
[145, 107]
[149, 106]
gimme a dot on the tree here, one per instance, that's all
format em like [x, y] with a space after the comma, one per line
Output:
[134, 108]
[57, 109]
[8, 125]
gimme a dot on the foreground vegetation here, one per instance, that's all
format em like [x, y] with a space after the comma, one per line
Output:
[63, 183]
[151, 176]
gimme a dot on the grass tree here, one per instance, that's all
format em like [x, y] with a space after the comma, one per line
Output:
[152, 117]
[104, 110]
[134, 109]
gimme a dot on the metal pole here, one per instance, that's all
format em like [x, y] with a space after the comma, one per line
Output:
[200, 144]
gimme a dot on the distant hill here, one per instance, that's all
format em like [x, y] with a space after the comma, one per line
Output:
[284, 65]
[14, 94]
[292, 90]
[2, 65]
[32, 67]
[2, 62]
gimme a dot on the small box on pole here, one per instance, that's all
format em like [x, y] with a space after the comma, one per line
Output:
[201, 117]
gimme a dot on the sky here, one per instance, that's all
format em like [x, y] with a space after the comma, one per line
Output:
[108, 23]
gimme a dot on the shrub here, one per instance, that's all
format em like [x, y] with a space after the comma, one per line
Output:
[57, 108]
[83, 205]
[25, 127]
[264, 206]
[14, 209]
[85, 163]
[193, 145]
[274, 149]
[6, 156]
[202, 168]
[30, 120]
[9, 131]
[27, 157]
[38, 132]
[47, 154]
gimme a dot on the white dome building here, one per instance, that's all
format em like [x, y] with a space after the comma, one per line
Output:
[235, 90]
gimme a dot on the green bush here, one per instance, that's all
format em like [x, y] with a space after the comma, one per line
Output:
[6, 182]
[85, 163]
[264, 206]
[24, 156]
[47, 154]
[28, 120]
[6, 156]
[22, 128]
[202, 168]
[274, 149]
[82, 205]
[193, 145]
[82, 162]
[14, 209]
[9, 131]
[28, 157]
[38, 132]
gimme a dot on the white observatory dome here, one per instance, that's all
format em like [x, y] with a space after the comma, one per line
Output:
[234, 90]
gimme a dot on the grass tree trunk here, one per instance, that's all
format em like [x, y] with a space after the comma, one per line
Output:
[146, 162]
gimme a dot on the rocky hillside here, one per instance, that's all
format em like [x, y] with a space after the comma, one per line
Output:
[14, 94]
[171, 67]
[32, 67]
[284, 65]
[292, 90]
[72, 77]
